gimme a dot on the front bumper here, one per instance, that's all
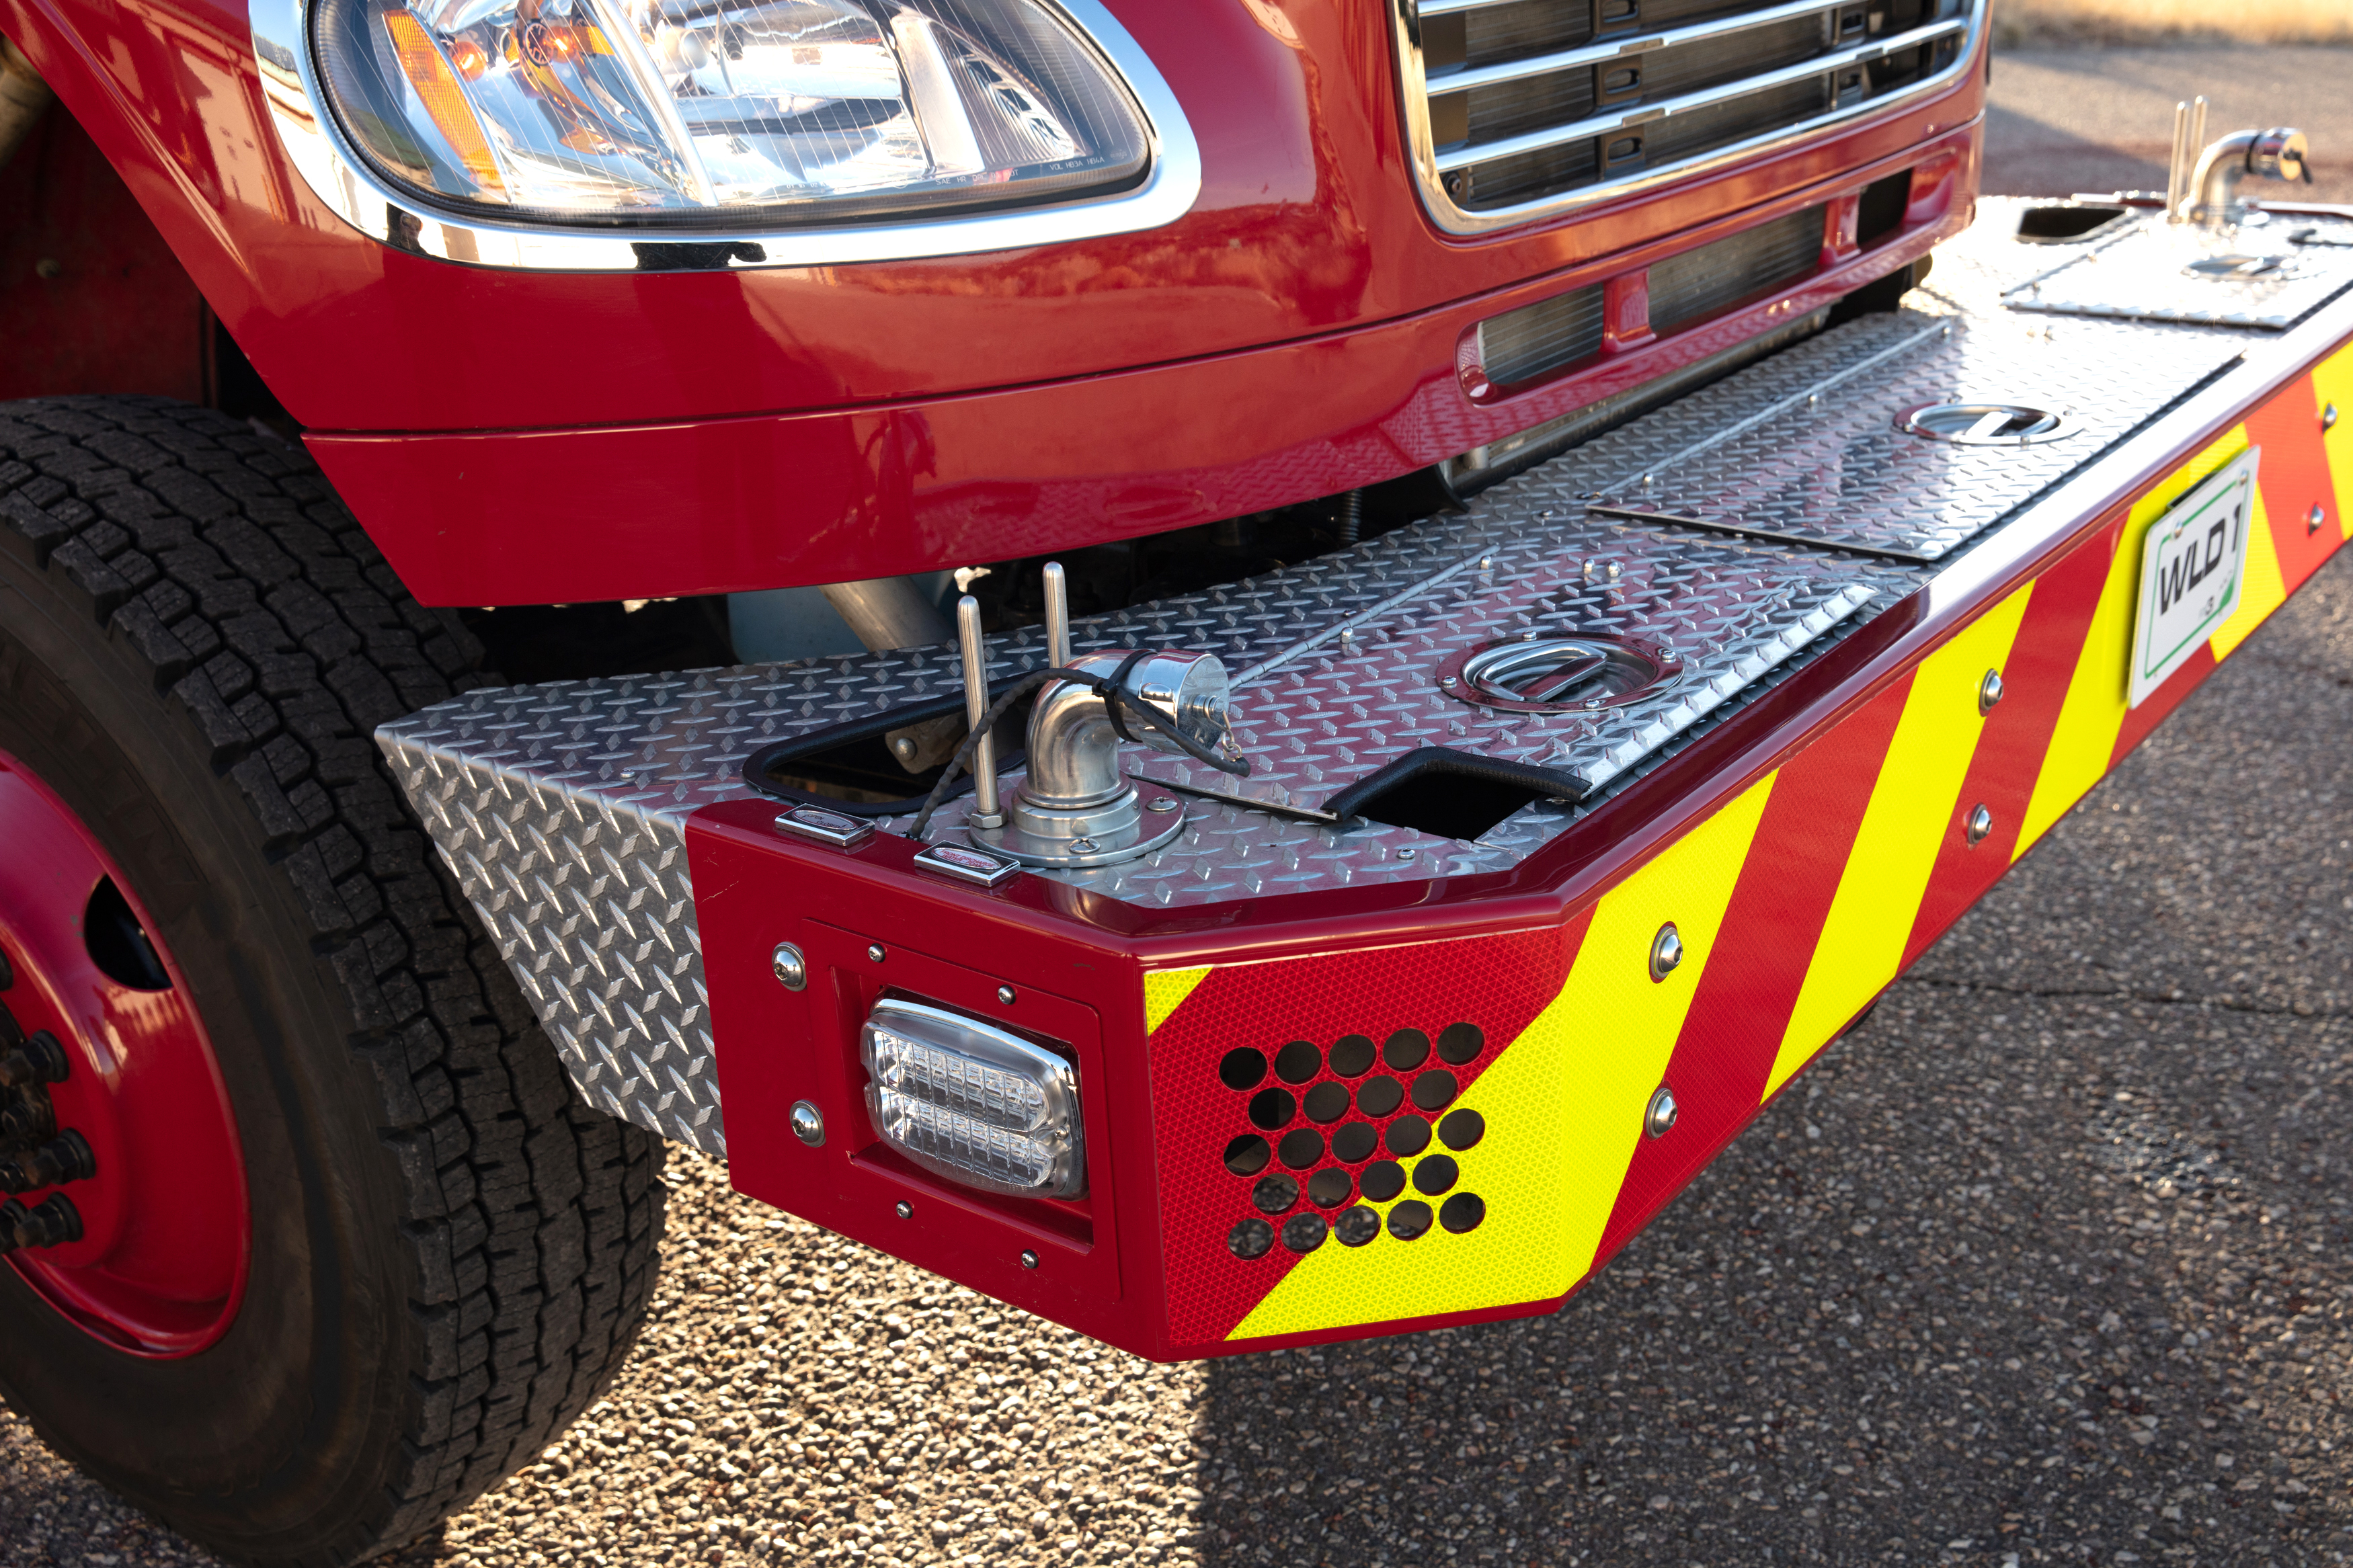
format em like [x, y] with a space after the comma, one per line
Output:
[1797, 807]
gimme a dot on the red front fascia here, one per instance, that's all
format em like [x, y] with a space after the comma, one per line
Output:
[1773, 810]
[1307, 222]
[669, 433]
[726, 505]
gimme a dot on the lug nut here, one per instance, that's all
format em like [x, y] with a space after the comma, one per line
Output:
[26, 1119]
[64, 1158]
[53, 1222]
[40, 1060]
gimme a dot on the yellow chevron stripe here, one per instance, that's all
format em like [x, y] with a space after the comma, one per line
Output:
[1912, 810]
[1165, 990]
[1563, 1108]
[2093, 711]
[2332, 379]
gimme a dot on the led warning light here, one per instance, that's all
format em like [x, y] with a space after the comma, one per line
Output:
[972, 1103]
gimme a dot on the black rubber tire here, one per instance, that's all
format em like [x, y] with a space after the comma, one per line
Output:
[451, 1252]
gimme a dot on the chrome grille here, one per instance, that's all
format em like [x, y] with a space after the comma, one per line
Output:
[1521, 109]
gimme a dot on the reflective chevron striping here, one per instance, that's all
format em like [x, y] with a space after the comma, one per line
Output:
[1798, 901]
[1913, 807]
[1564, 1110]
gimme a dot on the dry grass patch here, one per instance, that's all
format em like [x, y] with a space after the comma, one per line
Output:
[2029, 22]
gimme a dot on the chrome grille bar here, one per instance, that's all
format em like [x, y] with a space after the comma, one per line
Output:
[1463, 79]
[1532, 170]
[1644, 114]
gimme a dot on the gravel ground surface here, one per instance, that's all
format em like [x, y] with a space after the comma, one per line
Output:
[2049, 1262]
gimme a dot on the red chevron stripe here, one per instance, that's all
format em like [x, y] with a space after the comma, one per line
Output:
[2009, 756]
[2294, 479]
[1742, 1004]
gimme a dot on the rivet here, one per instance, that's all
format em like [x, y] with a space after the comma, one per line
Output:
[1445, 682]
[807, 1123]
[1990, 691]
[1659, 1120]
[1405, 854]
[1666, 951]
[1084, 846]
[1005, 995]
[904, 1209]
[2329, 417]
[1029, 1259]
[1614, 569]
[791, 968]
[1981, 823]
[874, 951]
[2315, 518]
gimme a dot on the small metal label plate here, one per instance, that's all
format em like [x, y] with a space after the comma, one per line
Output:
[825, 827]
[2192, 560]
[967, 863]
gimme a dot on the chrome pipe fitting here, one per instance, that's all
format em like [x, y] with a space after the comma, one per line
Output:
[2279, 153]
[1075, 807]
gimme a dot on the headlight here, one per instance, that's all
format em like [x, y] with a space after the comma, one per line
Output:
[701, 113]
[972, 1103]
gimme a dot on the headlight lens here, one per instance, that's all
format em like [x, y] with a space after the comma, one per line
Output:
[698, 112]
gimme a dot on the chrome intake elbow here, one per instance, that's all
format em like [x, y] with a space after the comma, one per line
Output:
[2279, 153]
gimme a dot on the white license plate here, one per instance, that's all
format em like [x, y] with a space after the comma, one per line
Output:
[2192, 561]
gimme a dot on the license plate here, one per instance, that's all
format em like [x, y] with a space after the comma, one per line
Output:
[2192, 560]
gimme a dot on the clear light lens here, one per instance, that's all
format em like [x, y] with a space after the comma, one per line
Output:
[972, 1103]
[704, 113]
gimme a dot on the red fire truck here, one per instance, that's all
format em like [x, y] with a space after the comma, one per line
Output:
[1243, 671]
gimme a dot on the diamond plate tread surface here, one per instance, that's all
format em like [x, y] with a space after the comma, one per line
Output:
[562, 807]
[2140, 274]
[1831, 466]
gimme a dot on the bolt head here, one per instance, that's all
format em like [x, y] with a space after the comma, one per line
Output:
[903, 1209]
[1405, 854]
[1666, 952]
[791, 968]
[807, 1123]
[874, 951]
[2329, 417]
[1005, 995]
[1659, 1120]
[1084, 846]
[1029, 1259]
[1160, 803]
[904, 746]
[1990, 691]
[1981, 823]
[2315, 518]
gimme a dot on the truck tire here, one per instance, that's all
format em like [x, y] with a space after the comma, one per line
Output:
[446, 1254]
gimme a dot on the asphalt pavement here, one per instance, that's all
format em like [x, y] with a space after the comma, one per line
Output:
[2049, 1261]
[2064, 121]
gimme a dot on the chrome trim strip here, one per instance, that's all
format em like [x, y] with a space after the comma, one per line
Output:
[1463, 80]
[340, 177]
[1429, 177]
[1724, 92]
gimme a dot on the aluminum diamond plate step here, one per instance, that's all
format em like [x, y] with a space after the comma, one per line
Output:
[561, 808]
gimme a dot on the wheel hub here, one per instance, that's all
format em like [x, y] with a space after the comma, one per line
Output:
[125, 1204]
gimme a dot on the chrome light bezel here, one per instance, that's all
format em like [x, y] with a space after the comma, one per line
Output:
[1413, 107]
[338, 175]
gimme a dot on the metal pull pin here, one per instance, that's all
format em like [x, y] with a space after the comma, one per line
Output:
[985, 812]
[1058, 618]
